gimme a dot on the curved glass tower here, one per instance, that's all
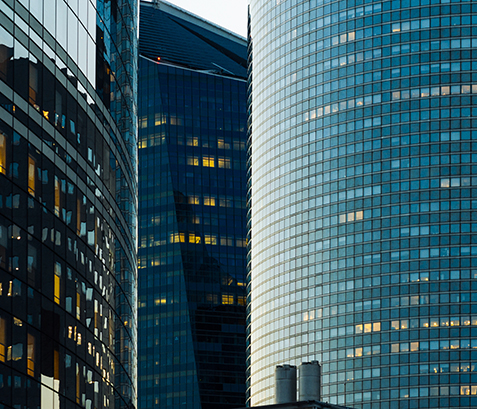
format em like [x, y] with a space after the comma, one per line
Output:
[362, 199]
[68, 203]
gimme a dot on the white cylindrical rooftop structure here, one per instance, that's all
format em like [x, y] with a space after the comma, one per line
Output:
[310, 381]
[285, 384]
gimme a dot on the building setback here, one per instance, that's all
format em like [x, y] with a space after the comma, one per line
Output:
[192, 215]
[363, 200]
[68, 204]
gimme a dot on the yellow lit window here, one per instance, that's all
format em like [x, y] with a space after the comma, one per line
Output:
[193, 200]
[193, 160]
[77, 383]
[241, 300]
[351, 217]
[227, 299]
[394, 347]
[208, 161]
[192, 141]
[209, 201]
[177, 238]
[143, 122]
[57, 196]
[367, 327]
[455, 321]
[351, 35]
[57, 280]
[359, 215]
[445, 90]
[221, 144]
[395, 324]
[404, 324]
[3, 153]
[224, 163]
[3, 330]
[78, 305]
[193, 238]
[342, 218]
[210, 239]
[358, 352]
[159, 119]
[465, 390]
[376, 326]
[359, 329]
[434, 322]
[414, 346]
[31, 355]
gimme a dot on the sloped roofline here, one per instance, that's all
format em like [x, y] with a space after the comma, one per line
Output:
[176, 11]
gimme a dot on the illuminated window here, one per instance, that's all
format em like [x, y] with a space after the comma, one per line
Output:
[358, 352]
[359, 329]
[57, 196]
[376, 326]
[3, 330]
[193, 238]
[394, 347]
[208, 161]
[192, 141]
[193, 160]
[159, 119]
[359, 215]
[193, 200]
[209, 201]
[3, 153]
[242, 300]
[31, 175]
[177, 238]
[394, 324]
[221, 144]
[210, 239]
[57, 282]
[31, 355]
[414, 346]
[227, 299]
[78, 305]
[143, 122]
[224, 163]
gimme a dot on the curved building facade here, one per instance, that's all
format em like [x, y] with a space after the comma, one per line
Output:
[68, 184]
[362, 199]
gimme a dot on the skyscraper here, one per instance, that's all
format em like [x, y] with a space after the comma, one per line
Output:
[68, 204]
[192, 228]
[362, 199]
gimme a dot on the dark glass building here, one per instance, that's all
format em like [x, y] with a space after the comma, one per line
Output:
[192, 120]
[68, 212]
[363, 187]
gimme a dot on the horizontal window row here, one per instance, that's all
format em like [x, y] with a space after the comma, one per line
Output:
[397, 96]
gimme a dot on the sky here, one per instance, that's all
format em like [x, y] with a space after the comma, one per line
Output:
[230, 14]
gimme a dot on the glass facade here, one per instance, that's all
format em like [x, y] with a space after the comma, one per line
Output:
[68, 181]
[363, 151]
[192, 228]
